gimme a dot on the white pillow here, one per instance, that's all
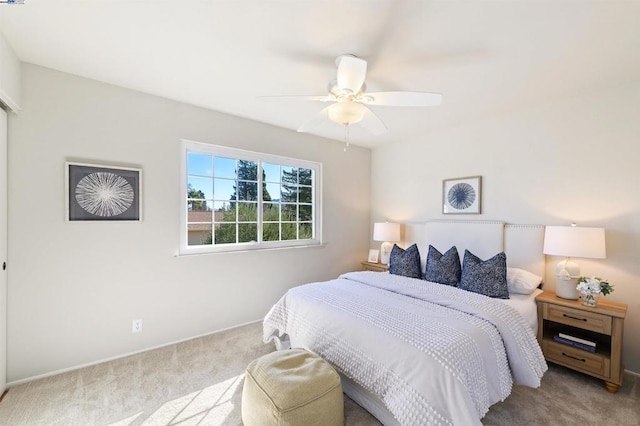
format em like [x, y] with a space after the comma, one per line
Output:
[520, 281]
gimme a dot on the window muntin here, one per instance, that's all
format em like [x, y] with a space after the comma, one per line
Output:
[239, 200]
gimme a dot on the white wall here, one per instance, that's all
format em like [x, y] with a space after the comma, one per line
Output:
[569, 160]
[9, 76]
[74, 288]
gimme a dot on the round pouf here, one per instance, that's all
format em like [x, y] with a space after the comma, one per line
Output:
[292, 387]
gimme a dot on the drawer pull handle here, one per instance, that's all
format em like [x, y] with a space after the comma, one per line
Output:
[573, 357]
[575, 318]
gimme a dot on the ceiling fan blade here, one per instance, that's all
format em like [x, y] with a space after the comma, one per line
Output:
[318, 119]
[419, 99]
[321, 98]
[351, 72]
[372, 123]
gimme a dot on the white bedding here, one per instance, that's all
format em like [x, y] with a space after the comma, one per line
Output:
[432, 354]
[525, 304]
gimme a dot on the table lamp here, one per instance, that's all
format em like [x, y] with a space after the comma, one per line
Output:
[386, 232]
[572, 241]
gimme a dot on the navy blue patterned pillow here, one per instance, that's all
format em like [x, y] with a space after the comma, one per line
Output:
[443, 268]
[405, 262]
[488, 277]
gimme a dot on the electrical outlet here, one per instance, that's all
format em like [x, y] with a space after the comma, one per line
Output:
[136, 326]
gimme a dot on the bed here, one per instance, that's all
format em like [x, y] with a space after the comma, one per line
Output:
[412, 351]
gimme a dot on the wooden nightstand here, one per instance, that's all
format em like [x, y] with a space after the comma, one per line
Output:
[376, 267]
[603, 324]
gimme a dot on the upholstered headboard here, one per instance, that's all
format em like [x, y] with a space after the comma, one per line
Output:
[521, 243]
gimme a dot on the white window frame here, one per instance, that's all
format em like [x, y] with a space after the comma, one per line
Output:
[187, 146]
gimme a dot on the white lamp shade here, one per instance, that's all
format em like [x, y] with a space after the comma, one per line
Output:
[385, 231]
[574, 241]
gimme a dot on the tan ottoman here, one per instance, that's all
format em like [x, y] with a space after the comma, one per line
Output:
[292, 387]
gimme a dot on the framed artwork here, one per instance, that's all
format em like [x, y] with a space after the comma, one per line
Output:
[102, 193]
[373, 256]
[462, 195]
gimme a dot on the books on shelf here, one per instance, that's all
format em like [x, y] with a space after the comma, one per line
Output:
[577, 339]
[576, 342]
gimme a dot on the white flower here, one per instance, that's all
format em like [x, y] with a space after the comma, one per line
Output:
[589, 286]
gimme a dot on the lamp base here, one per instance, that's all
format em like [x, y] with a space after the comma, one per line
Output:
[385, 252]
[567, 273]
[566, 288]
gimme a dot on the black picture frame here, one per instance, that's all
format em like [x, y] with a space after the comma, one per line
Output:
[96, 192]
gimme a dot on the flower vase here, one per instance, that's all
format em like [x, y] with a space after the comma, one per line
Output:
[590, 299]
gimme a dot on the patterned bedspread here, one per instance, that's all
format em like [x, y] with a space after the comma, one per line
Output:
[433, 354]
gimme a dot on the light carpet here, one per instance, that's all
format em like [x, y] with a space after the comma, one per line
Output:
[199, 382]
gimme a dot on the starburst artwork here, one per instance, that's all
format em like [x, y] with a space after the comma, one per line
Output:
[461, 195]
[102, 193]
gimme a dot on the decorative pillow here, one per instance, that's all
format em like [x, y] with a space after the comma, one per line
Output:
[405, 262]
[520, 281]
[443, 268]
[488, 277]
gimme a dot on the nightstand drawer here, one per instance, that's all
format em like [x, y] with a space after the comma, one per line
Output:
[578, 318]
[576, 358]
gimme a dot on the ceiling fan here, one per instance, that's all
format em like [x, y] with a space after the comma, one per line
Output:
[349, 97]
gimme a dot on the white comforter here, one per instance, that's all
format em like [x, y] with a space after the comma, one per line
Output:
[440, 356]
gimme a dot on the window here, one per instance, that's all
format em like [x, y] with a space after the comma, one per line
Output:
[241, 200]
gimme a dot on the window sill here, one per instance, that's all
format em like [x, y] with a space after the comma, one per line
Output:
[255, 250]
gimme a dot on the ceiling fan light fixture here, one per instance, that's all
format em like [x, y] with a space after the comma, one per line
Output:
[346, 113]
[349, 92]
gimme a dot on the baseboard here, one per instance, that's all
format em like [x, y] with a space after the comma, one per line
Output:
[633, 373]
[89, 364]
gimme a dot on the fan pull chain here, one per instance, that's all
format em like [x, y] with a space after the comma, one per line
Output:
[346, 136]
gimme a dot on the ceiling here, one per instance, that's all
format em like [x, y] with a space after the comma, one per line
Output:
[485, 57]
